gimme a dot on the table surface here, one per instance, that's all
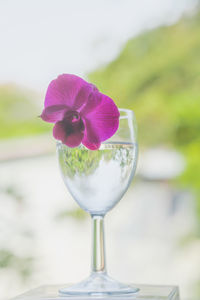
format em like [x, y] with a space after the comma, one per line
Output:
[147, 292]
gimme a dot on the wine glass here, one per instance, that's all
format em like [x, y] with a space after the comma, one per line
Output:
[97, 180]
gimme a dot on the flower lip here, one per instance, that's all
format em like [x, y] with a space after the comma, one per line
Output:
[72, 116]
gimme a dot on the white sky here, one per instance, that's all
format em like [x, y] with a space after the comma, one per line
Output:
[40, 39]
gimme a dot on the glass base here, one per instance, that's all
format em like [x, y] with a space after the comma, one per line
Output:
[146, 292]
[98, 284]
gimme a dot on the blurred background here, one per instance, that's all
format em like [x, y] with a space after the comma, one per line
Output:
[146, 56]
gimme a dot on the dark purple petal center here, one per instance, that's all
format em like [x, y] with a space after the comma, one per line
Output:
[72, 122]
[72, 116]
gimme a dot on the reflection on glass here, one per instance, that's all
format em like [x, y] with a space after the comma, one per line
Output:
[98, 179]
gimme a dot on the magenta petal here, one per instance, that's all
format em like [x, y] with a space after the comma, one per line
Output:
[89, 145]
[59, 132]
[65, 89]
[70, 134]
[93, 101]
[90, 133]
[54, 113]
[103, 122]
[83, 96]
[91, 139]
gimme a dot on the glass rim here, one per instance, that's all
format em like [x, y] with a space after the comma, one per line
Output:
[128, 113]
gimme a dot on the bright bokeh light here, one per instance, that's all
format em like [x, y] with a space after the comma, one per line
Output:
[41, 39]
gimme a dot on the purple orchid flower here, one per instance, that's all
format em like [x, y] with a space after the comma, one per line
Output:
[80, 112]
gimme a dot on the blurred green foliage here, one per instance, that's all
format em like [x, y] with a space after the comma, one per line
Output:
[23, 265]
[77, 213]
[75, 162]
[13, 193]
[10, 257]
[83, 162]
[157, 75]
[18, 113]
[197, 288]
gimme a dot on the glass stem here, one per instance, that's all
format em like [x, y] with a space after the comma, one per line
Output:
[98, 244]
